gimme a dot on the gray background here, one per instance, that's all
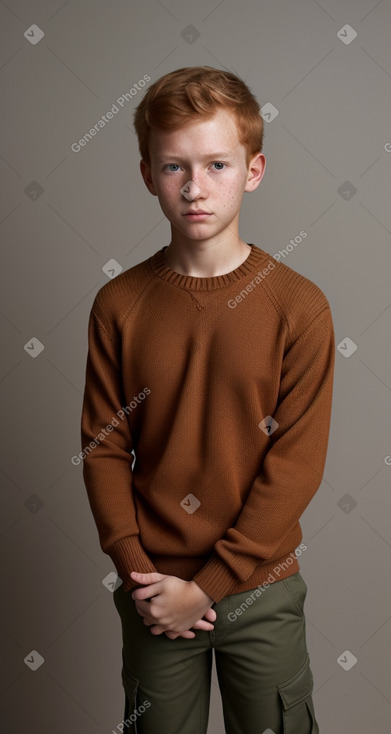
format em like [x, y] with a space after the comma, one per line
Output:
[328, 173]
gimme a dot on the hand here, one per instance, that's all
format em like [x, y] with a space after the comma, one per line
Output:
[175, 606]
[210, 615]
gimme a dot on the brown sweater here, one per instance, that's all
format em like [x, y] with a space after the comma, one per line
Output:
[205, 420]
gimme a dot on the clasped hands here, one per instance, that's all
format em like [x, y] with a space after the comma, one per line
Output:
[175, 606]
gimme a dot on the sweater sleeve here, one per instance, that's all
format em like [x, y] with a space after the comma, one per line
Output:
[106, 447]
[292, 469]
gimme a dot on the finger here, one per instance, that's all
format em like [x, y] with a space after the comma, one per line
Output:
[210, 615]
[202, 624]
[147, 591]
[143, 608]
[171, 635]
[188, 635]
[157, 629]
[147, 578]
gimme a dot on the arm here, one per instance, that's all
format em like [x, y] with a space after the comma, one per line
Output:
[111, 498]
[292, 469]
[107, 467]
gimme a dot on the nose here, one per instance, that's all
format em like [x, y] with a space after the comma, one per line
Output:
[190, 190]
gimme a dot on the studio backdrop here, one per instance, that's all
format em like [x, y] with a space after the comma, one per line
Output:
[74, 213]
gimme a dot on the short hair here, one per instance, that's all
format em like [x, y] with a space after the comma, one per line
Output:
[183, 95]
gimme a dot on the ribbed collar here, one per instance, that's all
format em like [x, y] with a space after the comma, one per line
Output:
[162, 270]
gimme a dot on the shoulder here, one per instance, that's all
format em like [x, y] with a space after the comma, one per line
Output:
[298, 299]
[116, 298]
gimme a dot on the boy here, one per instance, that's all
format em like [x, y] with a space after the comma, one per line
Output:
[214, 364]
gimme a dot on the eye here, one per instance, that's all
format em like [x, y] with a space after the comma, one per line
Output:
[218, 163]
[169, 165]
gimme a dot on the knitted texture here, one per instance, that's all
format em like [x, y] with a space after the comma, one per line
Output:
[205, 420]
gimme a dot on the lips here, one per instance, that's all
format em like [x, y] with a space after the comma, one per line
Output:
[197, 211]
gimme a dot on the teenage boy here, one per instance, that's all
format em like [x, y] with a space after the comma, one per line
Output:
[213, 363]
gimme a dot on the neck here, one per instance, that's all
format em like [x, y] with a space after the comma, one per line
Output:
[207, 260]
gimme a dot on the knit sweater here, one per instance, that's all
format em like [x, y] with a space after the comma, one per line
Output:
[205, 420]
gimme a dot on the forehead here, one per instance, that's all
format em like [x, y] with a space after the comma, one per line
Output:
[206, 137]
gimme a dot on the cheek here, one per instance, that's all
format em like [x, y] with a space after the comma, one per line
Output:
[165, 190]
[231, 194]
[233, 185]
[169, 190]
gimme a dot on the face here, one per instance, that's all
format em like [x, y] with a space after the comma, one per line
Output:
[202, 166]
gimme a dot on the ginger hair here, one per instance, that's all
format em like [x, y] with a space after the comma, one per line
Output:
[196, 92]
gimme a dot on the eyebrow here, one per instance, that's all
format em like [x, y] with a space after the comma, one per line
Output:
[223, 154]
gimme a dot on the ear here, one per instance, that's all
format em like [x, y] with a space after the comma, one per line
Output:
[145, 169]
[256, 169]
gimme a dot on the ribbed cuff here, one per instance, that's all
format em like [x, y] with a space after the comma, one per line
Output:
[216, 579]
[128, 555]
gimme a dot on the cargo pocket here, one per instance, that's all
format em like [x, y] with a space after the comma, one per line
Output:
[298, 709]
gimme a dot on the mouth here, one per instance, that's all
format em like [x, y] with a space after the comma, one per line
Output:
[197, 215]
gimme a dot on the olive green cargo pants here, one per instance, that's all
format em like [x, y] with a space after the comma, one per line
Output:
[262, 665]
